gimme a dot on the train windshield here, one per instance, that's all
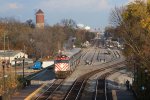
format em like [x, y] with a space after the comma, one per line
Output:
[61, 61]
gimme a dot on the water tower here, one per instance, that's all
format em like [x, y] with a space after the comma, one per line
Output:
[40, 19]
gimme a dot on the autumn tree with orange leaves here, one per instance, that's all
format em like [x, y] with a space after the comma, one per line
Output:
[132, 25]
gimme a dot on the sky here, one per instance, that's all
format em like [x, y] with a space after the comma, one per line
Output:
[93, 13]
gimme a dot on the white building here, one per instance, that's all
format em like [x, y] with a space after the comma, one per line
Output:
[10, 55]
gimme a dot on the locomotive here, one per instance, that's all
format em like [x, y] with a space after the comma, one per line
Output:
[66, 62]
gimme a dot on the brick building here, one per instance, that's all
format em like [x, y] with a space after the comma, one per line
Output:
[40, 19]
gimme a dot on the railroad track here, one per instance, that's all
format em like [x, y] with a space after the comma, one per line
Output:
[101, 89]
[90, 58]
[76, 89]
[93, 56]
[85, 53]
[105, 58]
[84, 57]
[102, 56]
[98, 55]
[47, 93]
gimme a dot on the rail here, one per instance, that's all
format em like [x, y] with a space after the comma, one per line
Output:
[101, 85]
[45, 91]
[80, 83]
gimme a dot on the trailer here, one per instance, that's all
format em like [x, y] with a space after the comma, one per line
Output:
[42, 64]
[46, 64]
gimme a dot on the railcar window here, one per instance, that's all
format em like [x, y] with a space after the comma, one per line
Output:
[61, 61]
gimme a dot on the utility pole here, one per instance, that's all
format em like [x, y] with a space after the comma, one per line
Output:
[4, 45]
[3, 65]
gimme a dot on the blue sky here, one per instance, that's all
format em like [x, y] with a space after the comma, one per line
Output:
[94, 13]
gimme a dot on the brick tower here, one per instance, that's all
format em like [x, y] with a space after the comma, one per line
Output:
[40, 19]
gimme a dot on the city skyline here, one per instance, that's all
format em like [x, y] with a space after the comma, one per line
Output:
[93, 13]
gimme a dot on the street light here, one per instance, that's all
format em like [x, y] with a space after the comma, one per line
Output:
[15, 68]
[8, 43]
[24, 83]
[23, 58]
[4, 45]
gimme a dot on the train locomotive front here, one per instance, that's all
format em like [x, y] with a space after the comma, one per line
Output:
[66, 63]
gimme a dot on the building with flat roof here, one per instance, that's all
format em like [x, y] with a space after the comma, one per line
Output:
[10, 55]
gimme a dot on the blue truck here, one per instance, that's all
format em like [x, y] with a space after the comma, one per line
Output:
[37, 65]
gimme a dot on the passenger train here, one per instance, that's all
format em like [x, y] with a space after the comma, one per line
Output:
[66, 62]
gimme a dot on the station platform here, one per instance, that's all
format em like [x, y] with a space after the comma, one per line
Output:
[117, 85]
[22, 94]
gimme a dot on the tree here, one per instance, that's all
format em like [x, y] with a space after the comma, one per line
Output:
[30, 23]
[132, 23]
[37, 42]
[68, 23]
[128, 20]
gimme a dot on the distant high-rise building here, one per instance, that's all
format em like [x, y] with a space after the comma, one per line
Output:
[40, 19]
